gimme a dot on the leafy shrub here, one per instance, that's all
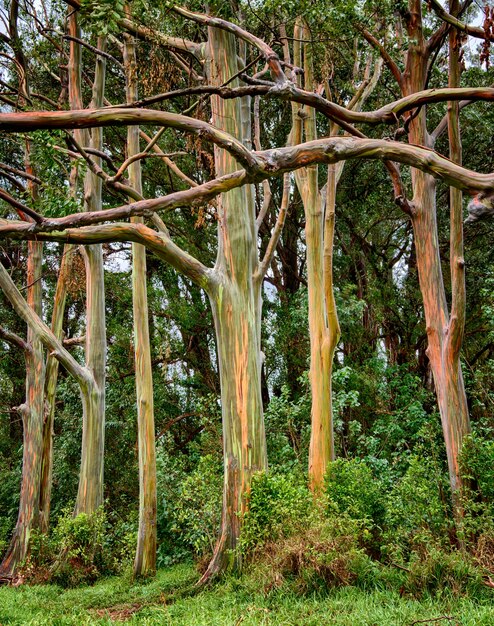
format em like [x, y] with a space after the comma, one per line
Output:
[352, 489]
[78, 542]
[288, 428]
[476, 528]
[5, 528]
[417, 511]
[195, 513]
[441, 571]
[279, 505]
[477, 466]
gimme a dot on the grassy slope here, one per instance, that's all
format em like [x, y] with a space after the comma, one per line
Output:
[231, 603]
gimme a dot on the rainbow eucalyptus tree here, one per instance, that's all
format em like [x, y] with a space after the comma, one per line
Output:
[444, 328]
[31, 411]
[145, 561]
[319, 208]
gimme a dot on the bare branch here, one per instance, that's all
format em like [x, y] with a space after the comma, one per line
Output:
[14, 339]
[393, 67]
[275, 236]
[20, 207]
[94, 118]
[474, 31]
[269, 54]
[21, 173]
[159, 243]
[41, 330]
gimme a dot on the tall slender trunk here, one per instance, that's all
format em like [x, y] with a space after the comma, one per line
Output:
[32, 420]
[455, 390]
[145, 559]
[51, 377]
[236, 303]
[319, 284]
[90, 491]
[32, 410]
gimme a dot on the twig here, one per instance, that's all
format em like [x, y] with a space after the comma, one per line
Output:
[434, 619]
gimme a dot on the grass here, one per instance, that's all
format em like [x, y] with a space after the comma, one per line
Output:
[230, 603]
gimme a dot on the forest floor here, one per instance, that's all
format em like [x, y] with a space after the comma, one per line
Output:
[230, 603]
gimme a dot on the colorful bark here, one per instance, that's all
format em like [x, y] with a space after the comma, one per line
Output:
[444, 332]
[236, 302]
[51, 377]
[322, 341]
[145, 559]
[32, 410]
[90, 490]
[32, 421]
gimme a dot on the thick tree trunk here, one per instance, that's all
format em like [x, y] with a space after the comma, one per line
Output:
[321, 450]
[145, 559]
[32, 410]
[236, 314]
[235, 297]
[443, 334]
[90, 491]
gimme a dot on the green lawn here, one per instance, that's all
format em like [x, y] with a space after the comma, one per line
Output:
[233, 602]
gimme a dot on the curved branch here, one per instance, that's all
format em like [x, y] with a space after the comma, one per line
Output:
[144, 32]
[387, 114]
[272, 59]
[14, 339]
[194, 196]
[273, 163]
[94, 118]
[474, 31]
[20, 207]
[159, 243]
[41, 330]
[392, 66]
[334, 149]
[275, 236]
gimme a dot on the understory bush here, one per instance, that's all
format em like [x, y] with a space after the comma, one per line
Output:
[363, 533]
[189, 508]
[80, 549]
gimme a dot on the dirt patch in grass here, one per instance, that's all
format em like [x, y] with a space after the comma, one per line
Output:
[120, 613]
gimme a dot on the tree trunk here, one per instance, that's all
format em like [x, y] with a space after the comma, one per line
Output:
[32, 421]
[90, 491]
[443, 351]
[322, 341]
[51, 377]
[235, 297]
[145, 559]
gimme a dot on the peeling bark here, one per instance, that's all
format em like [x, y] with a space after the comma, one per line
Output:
[235, 298]
[145, 559]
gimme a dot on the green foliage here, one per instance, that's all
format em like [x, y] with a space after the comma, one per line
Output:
[279, 504]
[288, 428]
[198, 508]
[101, 16]
[245, 601]
[439, 571]
[417, 510]
[352, 489]
[80, 537]
[189, 507]
[477, 464]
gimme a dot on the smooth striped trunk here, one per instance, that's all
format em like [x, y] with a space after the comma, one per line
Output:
[235, 295]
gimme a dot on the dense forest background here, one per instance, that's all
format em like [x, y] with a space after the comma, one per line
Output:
[385, 511]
